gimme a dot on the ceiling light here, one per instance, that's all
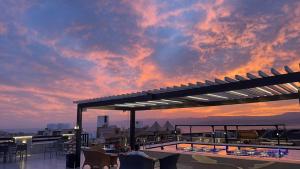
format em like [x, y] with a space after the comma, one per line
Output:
[238, 93]
[146, 103]
[197, 98]
[173, 101]
[158, 102]
[217, 96]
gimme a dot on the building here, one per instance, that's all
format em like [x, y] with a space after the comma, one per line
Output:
[56, 129]
[102, 121]
[58, 126]
[139, 124]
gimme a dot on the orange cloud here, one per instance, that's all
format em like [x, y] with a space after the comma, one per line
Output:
[148, 11]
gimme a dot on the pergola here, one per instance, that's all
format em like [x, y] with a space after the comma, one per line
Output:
[229, 91]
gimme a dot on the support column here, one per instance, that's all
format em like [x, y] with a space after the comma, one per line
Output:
[237, 132]
[78, 129]
[132, 129]
[214, 136]
[191, 138]
[299, 89]
[286, 134]
[226, 137]
[176, 136]
[277, 135]
[238, 135]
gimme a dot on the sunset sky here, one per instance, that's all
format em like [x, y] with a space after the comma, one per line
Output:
[53, 52]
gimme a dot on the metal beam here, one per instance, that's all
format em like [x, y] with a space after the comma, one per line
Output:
[214, 136]
[229, 125]
[78, 129]
[132, 129]
[277, 135]
[226, 136]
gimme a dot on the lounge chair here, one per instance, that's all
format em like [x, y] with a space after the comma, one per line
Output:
[113, 159]
[96, 159]
[169, 162]
[98, 148]
[136, 162]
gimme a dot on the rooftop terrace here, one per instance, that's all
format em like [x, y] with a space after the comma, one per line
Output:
[186, 161]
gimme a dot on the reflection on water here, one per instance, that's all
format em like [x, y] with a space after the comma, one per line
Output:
[255, 153]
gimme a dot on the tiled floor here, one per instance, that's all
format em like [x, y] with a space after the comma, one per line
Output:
[36, 162]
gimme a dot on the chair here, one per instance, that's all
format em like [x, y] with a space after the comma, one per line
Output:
[96, 159]
[136, 162]
[98, 148]
[169, 162]
[113, 159]
[69, 147]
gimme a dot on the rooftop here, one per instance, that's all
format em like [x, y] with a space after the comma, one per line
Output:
[186, 161]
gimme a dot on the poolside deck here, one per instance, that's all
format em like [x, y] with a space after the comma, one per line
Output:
[189, 161]
[186, 161]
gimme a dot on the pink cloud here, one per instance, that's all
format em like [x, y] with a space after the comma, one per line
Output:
[3, 28]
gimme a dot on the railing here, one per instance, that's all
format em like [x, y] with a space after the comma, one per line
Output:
[37, 144]
[85, 140]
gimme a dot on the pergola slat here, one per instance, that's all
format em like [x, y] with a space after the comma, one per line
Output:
[288, 70]
[280, 90]
[256, 91]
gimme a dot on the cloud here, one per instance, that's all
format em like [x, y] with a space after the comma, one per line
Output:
[3, 29]
[54, 52]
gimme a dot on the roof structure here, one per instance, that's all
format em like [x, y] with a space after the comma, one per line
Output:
[240, 89]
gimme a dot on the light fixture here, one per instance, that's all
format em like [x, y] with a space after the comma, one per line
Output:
[68, 134]
[217, 96]
[173, 101]
[197, 98]
[237, 93]
[122, 105]
[145, 103]
[22, 137]
[129, 105]
[135, 104]
[157, 102]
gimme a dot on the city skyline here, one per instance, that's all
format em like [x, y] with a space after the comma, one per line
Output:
[55, 52]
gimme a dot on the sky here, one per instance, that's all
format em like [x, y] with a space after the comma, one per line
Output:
[53, 52]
